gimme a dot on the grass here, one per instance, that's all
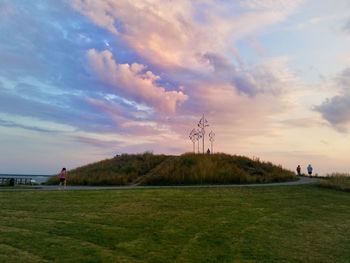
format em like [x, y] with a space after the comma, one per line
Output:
[270, 224]
[120, 170]
[149, 169]
[215, 169]
[336, 181]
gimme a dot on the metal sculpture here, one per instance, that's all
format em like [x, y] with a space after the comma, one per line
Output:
[199, 133]
[198, 136]
[202, 124]
[211, 139]
[193, 139]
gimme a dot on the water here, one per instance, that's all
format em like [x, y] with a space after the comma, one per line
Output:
[38, 178]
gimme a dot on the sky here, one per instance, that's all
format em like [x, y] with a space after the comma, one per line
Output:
[84, 80]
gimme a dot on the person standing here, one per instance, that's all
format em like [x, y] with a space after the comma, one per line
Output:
[309, 169]
[63, 178]
[299, 170]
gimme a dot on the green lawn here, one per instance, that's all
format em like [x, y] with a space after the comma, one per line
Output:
[265, 224]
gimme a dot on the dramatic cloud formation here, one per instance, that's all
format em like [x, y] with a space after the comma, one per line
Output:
[81, 80]
[134, 82]
[172, 33]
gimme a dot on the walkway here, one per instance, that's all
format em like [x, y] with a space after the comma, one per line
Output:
[301, 181]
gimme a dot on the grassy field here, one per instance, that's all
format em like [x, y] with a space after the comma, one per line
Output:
[269, 224]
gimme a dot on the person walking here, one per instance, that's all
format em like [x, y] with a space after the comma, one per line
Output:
[299, 170]
[63, 178]
[309, 169]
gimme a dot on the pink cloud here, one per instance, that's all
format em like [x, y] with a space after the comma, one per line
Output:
[134, 82]
[274, 5]
[167, 33]
[97, 11]
[195, 46]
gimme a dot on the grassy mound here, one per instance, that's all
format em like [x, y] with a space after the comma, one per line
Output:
[120, 170]
[149, 169]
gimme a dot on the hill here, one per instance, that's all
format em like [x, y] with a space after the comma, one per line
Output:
[150, 169]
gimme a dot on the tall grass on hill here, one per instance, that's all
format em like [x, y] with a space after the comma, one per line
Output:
[215, 169]
[149, 169]
[336, 181]
[120, 170]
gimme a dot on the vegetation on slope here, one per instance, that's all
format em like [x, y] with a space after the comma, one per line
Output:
[336, 181]
[149, 169]
[120, 170]
[215, 169]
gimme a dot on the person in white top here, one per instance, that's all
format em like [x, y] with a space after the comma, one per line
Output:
[309, 169]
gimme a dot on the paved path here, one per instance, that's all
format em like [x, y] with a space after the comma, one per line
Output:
[301, 181]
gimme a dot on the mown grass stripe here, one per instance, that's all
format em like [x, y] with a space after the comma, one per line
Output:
[272, 224]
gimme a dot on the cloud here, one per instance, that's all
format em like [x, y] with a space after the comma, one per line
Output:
[301, 123]
[336, 109]
[44, 80]
[271, 76]
[191, 47]
[155, 30]
[41, 58]
[172, 33]
[178, 36]
[134, 82]
[280, 5]
[98, 142]
[242, 81]
[69, 109]
[310, 22]
[347, 27]
[127, 120]
[189, 58]
[7, 123]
